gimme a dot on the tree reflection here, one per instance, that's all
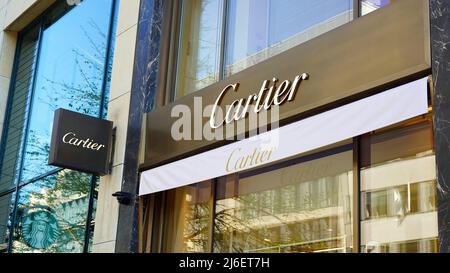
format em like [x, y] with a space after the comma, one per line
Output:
[64, 195]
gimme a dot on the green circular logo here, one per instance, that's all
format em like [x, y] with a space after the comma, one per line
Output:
[40, 229]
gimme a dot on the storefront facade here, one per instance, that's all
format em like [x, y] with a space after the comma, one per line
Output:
[330, 184]
[343, 148]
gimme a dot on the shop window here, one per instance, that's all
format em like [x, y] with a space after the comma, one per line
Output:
[306, 207]
[306, 204]
[187, 219]
[368, 6]
[398, 184]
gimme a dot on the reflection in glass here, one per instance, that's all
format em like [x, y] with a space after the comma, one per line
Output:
[300, 208]
[14, 132]
[413, 246]
[6, 208]
[68, 72]
[94, 210]
[367, 6]
[260, 29]
[51, 214]
[398, 184]
[70, 75]
[199, 52]
[400, 200]
[187, 220]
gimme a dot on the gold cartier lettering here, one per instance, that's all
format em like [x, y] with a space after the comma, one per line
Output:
[277, 100]
[229, 158]
[238, 161]
[212, 120]
[296, 85]
[268, 95]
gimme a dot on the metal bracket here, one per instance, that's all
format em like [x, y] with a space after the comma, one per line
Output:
[113, 150]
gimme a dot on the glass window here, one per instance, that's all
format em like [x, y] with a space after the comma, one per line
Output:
[367, 6]
[260, 29]
[199, 51]
[255, 31]
[306, 204]
[14, 132]
[51, 214]
[187, 219]
[70, 75]
[305, 207]
[62, 62]
[398, 184]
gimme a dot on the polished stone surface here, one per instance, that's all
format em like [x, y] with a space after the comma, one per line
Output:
[440, 43]
[142, 100]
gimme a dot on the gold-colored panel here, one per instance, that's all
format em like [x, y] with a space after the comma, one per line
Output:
[378, 51]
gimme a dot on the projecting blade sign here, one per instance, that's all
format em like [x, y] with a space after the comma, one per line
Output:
[81, 142]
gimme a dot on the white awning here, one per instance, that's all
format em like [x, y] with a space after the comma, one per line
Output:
[357, 118]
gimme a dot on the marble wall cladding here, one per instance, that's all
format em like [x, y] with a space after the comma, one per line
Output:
[440, 45]
[142, 100]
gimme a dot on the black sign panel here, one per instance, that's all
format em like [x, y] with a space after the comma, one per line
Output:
[80, 142]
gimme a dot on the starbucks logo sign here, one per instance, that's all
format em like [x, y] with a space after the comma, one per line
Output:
[40, 229]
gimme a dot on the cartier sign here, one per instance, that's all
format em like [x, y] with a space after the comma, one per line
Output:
[80, 142]
[350, 62]
[269, 94]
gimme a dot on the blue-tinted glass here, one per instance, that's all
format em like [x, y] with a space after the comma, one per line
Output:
[367, 6]
[285, 21]
[70, 75]
[51, 214]
[260, 29]
[14, 130]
